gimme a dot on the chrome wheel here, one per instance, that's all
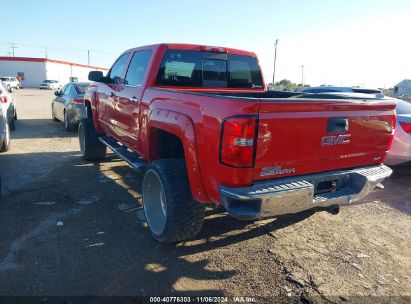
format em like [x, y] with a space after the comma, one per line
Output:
[155, 203]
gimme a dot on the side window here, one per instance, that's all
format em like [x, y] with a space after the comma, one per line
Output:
[118, 68]
[137, 68]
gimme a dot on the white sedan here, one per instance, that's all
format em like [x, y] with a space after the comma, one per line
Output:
[50, 85]
[400, 151]
[8, 105]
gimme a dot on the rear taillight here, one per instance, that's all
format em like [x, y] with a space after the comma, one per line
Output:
[3, 99]
[406, 126]
[238, 141]
[77, 100]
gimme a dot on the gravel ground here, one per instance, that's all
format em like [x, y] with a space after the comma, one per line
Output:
[70, 228]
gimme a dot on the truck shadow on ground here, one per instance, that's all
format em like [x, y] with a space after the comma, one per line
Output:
[71, 235]
[218, 226]
[76, 233]
[40, 128]
[19, 170]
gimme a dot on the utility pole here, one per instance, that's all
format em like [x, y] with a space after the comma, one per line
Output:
[13, 46]
[302, 74]
[45, 50]
[88, 57]
[275, 59]
[8, 53]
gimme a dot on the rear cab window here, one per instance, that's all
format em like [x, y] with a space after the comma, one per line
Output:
[183, 68]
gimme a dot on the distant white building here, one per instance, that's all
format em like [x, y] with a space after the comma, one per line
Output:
[33, 71]
[403, 89]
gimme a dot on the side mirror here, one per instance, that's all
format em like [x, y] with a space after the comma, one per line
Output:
[95, 76]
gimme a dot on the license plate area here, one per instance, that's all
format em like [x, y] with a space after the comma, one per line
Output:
[326, 186]
[330, 185]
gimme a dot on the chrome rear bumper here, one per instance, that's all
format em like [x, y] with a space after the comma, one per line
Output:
[295, 194]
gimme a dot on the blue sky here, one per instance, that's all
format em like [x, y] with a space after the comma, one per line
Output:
[339, 42]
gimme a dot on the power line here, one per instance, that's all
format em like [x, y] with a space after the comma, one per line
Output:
[13, 46]
[65, 49]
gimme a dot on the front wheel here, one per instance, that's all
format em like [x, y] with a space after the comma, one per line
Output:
[171, 212]
[90, 146]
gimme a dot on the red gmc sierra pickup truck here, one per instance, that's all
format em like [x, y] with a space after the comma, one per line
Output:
[200, 124]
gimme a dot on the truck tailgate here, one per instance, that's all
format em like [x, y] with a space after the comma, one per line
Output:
[304, 136]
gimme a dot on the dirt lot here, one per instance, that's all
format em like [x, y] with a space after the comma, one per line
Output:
[70, 228]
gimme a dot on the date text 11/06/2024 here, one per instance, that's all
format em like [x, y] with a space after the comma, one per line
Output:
[202, 299]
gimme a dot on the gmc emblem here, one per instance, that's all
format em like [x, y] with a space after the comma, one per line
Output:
[333, 140]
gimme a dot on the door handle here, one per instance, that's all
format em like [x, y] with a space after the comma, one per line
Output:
[134, 99]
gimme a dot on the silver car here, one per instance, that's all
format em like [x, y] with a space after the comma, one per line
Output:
[50, 85]
[11, 83]
[400, 151]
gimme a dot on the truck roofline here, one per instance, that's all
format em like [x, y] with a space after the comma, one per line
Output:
[194, 47]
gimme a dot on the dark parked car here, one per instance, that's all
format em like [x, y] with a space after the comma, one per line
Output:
[68, 105]
[330, 89]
